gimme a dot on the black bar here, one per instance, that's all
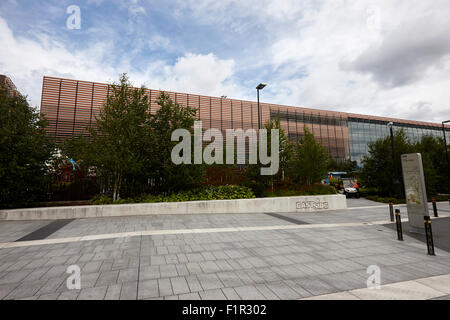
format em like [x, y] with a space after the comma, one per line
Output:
[434, 207]
[391, 211]
[429, 235]
[399, 224]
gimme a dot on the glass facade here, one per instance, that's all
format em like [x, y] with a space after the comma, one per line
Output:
[329, 128]
[363, 131]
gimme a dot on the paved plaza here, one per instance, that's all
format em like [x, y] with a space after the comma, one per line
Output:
[225, 256]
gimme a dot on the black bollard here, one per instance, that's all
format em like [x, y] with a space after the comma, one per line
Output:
[391, 210]
[433, 201]
[398, 219]
[429, 235]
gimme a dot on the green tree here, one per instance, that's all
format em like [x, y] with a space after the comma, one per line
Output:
[434, 163]
[378, 170]
[25, 150]
[166, 176]
[116, 149]
[253, 172]
[341, 165]
[309, 165]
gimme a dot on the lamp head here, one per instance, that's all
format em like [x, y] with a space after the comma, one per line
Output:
[261, 86]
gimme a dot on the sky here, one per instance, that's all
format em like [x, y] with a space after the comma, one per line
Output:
[387, 58]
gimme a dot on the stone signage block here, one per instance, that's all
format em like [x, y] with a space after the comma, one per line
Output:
[415, 191]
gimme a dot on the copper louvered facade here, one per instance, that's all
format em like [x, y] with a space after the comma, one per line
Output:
[71, 106]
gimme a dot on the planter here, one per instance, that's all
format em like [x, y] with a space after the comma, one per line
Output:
[260, 205]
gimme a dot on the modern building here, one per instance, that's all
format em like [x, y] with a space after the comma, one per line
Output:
[9, 85]
[72, 105]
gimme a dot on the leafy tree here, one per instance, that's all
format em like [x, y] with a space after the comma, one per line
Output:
[116, 149]
[434, 163]
[309, 164]
[25, 150]
[166, 176]
[378, 170]
[253, 172]
[341, 166]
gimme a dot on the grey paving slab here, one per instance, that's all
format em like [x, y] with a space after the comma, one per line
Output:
[127, 275]
[128, 291]
[107, 278]
[113, 292]
[193, 283]
[189, 296]
[283, 290]
[96, 293]
[165, 287]
[209, 281]
[5, 289]
[278, 264]
[68, 295]
[249, 293]
[179, 285]
[316, 286]
[148, 289]
[214, 294]
[25, 289]
[168, 271]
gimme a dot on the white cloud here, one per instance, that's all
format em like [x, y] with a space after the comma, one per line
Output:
[27, 61]
[202, 74]
[387, 57]
[159, 42]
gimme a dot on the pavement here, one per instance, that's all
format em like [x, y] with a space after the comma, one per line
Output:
[224, 256]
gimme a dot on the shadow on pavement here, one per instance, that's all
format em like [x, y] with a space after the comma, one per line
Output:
[441, 233]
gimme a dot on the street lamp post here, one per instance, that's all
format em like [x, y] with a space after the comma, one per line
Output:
[446, 147]
[390, 125]
[258, 88]
[395, 182]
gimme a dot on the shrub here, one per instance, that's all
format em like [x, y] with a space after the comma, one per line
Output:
[368, 192]
[315, 189]
[207, 193]
[385, 199]
[101, 199]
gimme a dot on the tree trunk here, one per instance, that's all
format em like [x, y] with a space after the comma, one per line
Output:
[117, 183]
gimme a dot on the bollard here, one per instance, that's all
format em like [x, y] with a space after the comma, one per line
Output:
[398, 219]
[429, 235]
[391, 210]
[433, 201]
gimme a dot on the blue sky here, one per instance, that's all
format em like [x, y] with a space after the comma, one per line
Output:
[386, 58]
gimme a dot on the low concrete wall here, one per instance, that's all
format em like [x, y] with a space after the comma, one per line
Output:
[264, 205]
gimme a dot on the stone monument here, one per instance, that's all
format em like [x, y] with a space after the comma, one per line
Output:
[415, 191]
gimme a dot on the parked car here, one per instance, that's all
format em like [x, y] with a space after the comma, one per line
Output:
[349, 189]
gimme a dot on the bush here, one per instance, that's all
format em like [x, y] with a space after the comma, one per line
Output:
[365, 192]
[315, 189]
[386, 199]
[101, 199]
[207, 193]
